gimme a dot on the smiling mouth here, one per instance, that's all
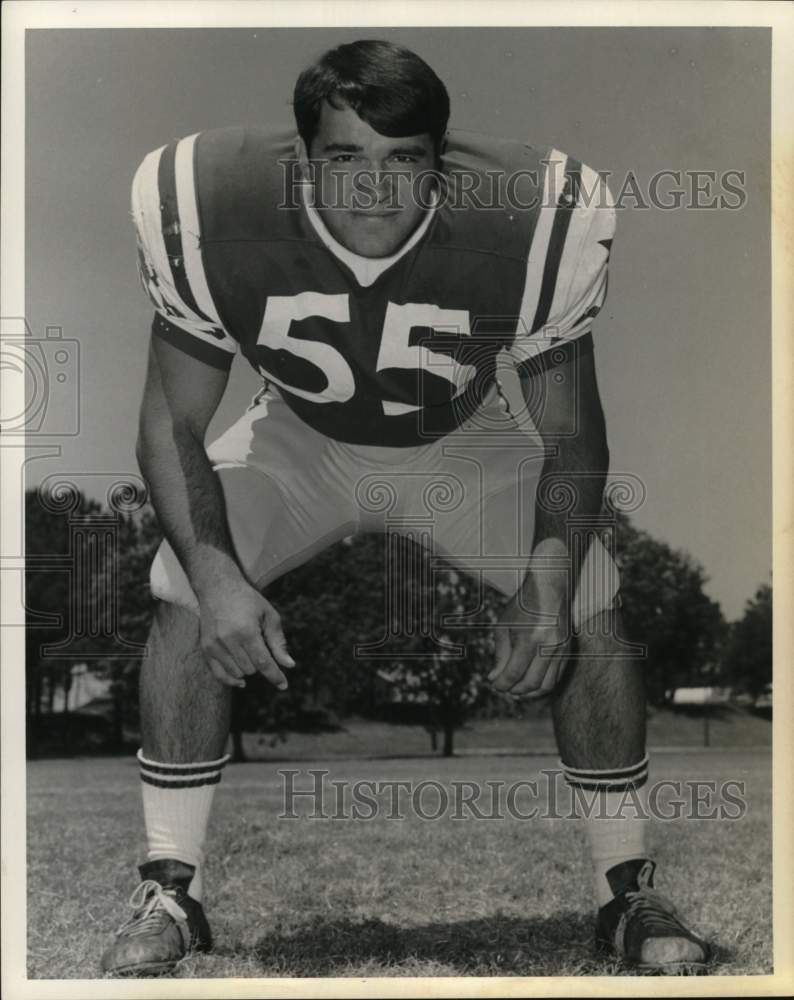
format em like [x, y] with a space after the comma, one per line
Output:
[374, 215]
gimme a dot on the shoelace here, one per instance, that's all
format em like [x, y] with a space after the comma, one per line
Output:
[151, 904]
[654, 909]
[656, 912]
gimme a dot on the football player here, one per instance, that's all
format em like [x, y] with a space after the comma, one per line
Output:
[377, 270]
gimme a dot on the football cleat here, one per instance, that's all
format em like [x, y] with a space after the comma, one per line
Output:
[165, 926]
[640, 926]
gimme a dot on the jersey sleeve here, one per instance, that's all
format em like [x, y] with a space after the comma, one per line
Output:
[166, 216]
[566, 282]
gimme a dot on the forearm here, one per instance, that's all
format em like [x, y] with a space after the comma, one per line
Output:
[188, 499]
[569, 496]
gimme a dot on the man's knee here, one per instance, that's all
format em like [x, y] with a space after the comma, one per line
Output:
[602, 658]
[174, 635]
[603, 636]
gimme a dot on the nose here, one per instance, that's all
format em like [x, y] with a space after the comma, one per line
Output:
[375, 186]
[383, 180]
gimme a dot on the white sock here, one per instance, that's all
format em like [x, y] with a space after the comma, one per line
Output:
[613, 804]
[177, 799]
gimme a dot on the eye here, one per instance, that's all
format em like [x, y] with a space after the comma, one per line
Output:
[404, 158]
[343, 158]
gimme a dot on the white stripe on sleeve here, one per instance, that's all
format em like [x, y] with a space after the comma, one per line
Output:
[553, 181]
[163, 293]
[191, 229]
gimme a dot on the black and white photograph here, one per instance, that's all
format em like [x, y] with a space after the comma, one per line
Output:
[388, 539]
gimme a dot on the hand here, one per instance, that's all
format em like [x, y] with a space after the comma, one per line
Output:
[241, 633]
[531, 654]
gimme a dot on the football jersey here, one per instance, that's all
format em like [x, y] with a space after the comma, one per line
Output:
[512, 256]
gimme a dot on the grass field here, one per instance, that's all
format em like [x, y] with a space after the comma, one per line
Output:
[386, 897]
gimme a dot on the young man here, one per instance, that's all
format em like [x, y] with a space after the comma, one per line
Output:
[375, 288]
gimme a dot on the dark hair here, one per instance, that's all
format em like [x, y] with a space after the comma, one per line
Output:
[388, 86]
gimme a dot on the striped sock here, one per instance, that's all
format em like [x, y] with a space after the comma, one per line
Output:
[177, 799]
[613, 804]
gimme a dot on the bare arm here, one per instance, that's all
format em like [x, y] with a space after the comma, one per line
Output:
[577, 455]
[179, 400]
[530, 656]
[240, 630]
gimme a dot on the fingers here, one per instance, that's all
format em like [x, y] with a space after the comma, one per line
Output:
[542, 676]
[229, 675]
[276, 641]
[555, 673]
[513, 665]
[269, 652]
[512, 675]
[502, 652]
[234, 643]
[231, 666]
[511, 672]
[262, 660]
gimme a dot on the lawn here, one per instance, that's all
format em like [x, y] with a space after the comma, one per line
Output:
[387, 897]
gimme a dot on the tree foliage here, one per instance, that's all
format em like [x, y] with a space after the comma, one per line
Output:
[86, 600]
[378, 626]
[666, 609]
[748, 656]
[438, 654]
[49, 639]
[328, 607]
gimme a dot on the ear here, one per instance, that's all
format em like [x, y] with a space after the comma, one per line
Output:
[302, 156]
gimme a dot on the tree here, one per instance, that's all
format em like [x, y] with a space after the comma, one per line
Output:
[748, 654]
[52, 643]
[370, 641]
[666, 609]
[87, 599]
[139, 536]
[444, 650]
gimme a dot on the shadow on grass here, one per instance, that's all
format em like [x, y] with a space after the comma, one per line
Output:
[495, 946]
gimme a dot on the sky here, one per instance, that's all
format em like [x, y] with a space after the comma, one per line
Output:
[682, 344]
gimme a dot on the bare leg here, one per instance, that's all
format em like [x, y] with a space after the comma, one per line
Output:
[185, 711]
[184, 721]
[599, 709]
[599, 718]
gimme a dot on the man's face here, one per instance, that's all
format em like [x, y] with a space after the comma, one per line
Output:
[364, 182]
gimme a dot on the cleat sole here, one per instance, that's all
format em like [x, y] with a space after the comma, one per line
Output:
[143, 971]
